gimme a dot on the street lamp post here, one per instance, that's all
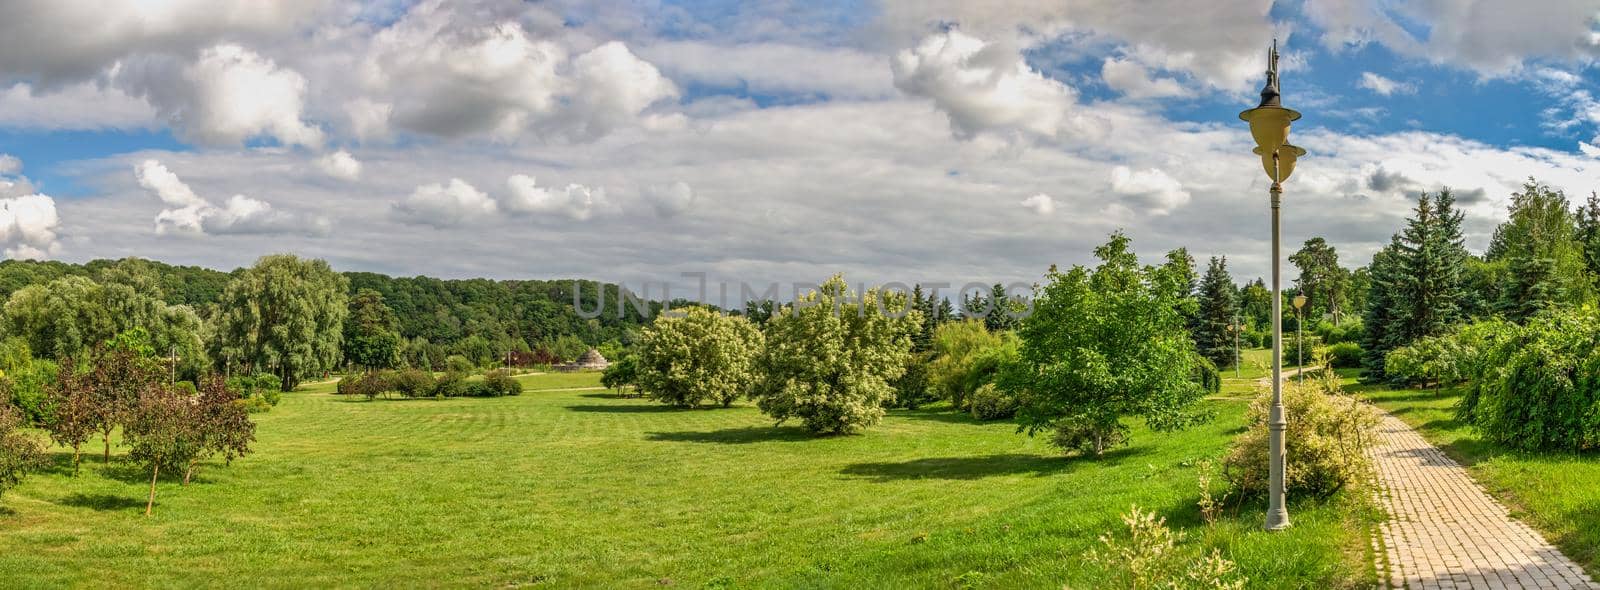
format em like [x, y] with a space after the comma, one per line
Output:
[1235, 328]
[1300, 337]
[1269, 127]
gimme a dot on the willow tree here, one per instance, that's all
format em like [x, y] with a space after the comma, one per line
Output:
[283, 316]
[831, 357]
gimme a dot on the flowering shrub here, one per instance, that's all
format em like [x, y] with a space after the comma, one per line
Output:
[1326, 441]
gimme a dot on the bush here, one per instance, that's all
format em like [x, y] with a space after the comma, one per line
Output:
[499, 383]
[1535, 386]
[255, 405]
[620, 374]
[1207, 376]
[1150, 556]
[1344, 355]
[456, 363]
[700, 357]
[452, 384]
[989, 403]
[1081, 435]
[1326, 440]
[1349, 331]
[913, 390]
[371, 384]
[413, 383]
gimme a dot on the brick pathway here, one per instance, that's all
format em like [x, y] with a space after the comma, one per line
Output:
[1445, 532]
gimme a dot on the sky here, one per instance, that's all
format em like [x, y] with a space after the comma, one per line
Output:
[768, 142]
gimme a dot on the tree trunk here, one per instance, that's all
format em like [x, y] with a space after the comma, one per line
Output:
[154, 471]
[188, 472]
[77, 458]
[106, 438]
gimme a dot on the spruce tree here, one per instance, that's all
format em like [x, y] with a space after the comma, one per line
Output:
[1589, 234]
[1384, 309]
[1219, 309]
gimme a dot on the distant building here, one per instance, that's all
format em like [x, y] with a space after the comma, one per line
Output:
[589, 361]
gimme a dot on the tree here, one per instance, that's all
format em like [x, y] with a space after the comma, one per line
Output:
[1380, 325]
[1416, 282]
[476, 349]
[831, 357]
[372, 333]
[1218, 311]
[1589, 234]
[285, 316]
[64, 318]
[702, 356]
[222, 425]
[73, 413]
[19, 452]
[1540, 225]
[1182, 279]
[116, 376]
[1102, 345]
[998, 310]
[1319, 277]
[163, 433]
[620, 374]
[956, 371]
[1255, 304]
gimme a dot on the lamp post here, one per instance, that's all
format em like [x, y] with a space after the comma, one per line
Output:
[1269, 127]
[1236, 327]
[1300, 337]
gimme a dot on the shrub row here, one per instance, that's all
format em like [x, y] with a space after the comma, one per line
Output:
[414, 383]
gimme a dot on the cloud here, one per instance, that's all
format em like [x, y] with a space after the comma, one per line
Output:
[576, 201]
[1493, 38]
[1041, 204]
[984, 87]
[81, 106]
[775, 68]
[445, 205]
[189, 214]
[1385, 86]
[28, 220]
[9, 164]
[340, 165]
[1133, 80]
[228, 95]
[454, 73]
[1148, 190]
[671, 199]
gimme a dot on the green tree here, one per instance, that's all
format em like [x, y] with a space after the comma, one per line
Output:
[1589, 234]
[372, 333]
[1416, 282]
[1540, 225]
[1102, 345]
[621, 374]
[699, 357]
[285, 315]
[1319, 278]
[1255, 304]
[19, 451]
[61, 319]
[1380, 325]
[831, 357]
[957, 369]
[1218, 311]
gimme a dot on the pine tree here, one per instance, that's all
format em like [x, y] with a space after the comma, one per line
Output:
[1319, 275]
[1453, 256]
[1530, 287]
[1383, 309]
[1589, 234]
[1219, 309]
[1540, 225]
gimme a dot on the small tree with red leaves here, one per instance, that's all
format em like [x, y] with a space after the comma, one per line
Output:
[73, 417]
[19, 452]
[162, 432]
[115, 382]
[222, 424]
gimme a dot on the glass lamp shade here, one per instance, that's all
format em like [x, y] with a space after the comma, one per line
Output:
[1269, 126]
[1299, 301]
[1288, 154]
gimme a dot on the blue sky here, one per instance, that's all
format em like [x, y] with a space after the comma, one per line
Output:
[775, 141]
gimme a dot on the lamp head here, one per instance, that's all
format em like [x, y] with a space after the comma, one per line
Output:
[1288, 154]
[1299, 301]
[1269, 121]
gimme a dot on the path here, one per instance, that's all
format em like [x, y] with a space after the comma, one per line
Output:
[1445, 532]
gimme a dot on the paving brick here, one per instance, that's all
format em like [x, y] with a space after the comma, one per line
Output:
[1444, 531]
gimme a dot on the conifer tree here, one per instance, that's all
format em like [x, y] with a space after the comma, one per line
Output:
[1383, 309]
[1218, 309]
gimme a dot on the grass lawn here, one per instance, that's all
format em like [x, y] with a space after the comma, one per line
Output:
[1557, 493]
[1256, 363]
[578, 488]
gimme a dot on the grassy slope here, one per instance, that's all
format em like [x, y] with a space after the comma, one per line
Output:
[1557, 493]
[577, 488]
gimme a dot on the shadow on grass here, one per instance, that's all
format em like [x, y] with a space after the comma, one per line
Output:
[630, 409]
[739, 436]
[966, 468]
[609, 395]
[946, 415]
[1417, 395]
[101, 502]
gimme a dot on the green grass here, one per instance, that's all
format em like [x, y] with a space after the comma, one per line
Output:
[578, 488]
[1256, 363]
[1554, 492]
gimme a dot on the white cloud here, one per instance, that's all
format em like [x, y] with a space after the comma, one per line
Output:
[774, 68]
[987, 87]
[455, 73]
[1493, 38]
[369, 120]
[228, 95]
[340, 165]
[576, 201]
[28, 226]
[1133, 80]
[1149, 190]
[189, 214]
[671, 199]
[1385, 86]
[9, 164]
[445, 205]
[1041, 204]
